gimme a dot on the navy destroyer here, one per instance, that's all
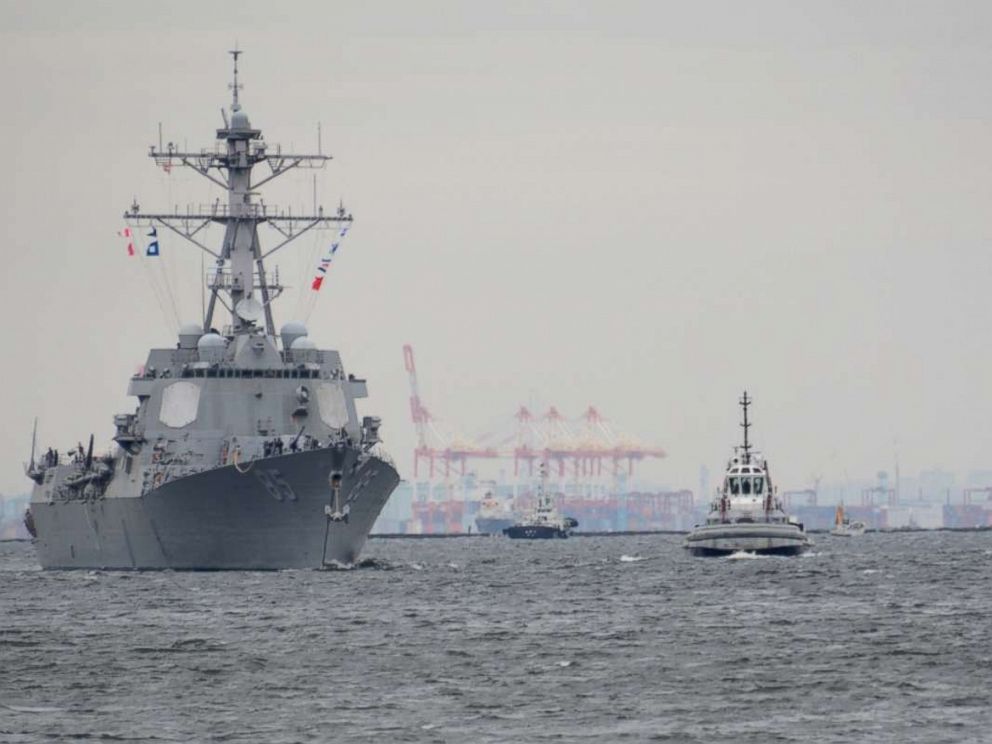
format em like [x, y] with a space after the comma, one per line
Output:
[747, 516]
[246, 450]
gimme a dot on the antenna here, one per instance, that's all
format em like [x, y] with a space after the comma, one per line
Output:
[745, 402]
[203, 289]
[34, 437]
[235, 86]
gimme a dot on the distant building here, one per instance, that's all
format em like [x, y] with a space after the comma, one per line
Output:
[934, 485]
[979, 478]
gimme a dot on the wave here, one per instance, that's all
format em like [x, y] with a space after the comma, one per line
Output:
[31, 708]
[743, 555]
[375, 564]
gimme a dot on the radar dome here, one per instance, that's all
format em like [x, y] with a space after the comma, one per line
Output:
[291, 331]
[239, 120]
[211, 348]
[189, 334]
[303, 350]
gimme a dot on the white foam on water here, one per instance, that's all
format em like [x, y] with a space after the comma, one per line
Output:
[632, 559]
[564, 664]
[31, 709]
[742, 555]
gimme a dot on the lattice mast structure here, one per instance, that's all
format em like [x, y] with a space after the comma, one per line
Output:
[240, 282]
[745, 403]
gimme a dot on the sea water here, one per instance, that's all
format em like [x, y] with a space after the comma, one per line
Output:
[880, 638]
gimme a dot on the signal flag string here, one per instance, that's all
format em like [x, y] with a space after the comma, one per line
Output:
[126, 233]
[325, 262]
[161, 289]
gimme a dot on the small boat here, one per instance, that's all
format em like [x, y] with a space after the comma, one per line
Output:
[544, 522]
[844, 527]
[747, 516]
[494, 516]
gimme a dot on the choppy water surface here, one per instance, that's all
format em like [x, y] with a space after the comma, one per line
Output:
[879, 638]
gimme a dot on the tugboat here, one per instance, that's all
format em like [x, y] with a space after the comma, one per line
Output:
[544, 522]
[245, 449]
[844, 527]
[747, 516]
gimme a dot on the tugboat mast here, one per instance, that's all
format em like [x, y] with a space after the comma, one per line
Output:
[239, 281]
[745, 402]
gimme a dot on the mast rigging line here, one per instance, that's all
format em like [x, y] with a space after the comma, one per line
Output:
[163, 270]
[304, 268]
[325, 264]
[157, 290]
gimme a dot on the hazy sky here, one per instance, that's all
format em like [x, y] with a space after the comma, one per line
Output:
[642, 206]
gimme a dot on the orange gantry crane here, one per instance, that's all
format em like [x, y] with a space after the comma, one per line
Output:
[443, 452]
[578, 448]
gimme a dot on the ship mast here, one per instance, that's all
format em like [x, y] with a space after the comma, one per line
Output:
[543, 501]
[745, 402]
[239, 282]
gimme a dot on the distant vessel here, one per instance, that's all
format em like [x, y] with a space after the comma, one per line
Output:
[493, 516]
[543, 522]
[245, 450]
[844, 527]
[747, 516]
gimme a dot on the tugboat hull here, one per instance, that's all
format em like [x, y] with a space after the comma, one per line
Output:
[534, 532]
[854, 530]
[268, 514]
[761, 539]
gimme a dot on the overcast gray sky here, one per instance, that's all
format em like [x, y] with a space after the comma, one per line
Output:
[643, 206]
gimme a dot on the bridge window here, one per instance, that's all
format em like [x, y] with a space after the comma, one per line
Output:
[746, 486]
[759, 485]
[735, 486]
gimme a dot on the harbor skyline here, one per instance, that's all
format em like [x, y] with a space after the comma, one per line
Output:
[645, 209]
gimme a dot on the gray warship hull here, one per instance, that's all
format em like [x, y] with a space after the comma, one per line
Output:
[266, 514]
[757, 537]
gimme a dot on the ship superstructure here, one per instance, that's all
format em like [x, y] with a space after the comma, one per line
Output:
[844, 527]
[747, 515]
[494, 515]
[246, 449]
[543, 522]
